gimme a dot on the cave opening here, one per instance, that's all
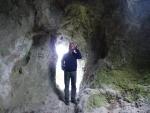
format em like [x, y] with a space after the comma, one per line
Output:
[62, 46]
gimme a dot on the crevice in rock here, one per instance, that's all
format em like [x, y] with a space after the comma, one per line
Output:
[99, 45]
[20, 70]
[62, 3]
[27, 58]
[38, 39]
[21, 63]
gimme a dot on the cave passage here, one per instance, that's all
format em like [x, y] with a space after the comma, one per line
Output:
[62, 45]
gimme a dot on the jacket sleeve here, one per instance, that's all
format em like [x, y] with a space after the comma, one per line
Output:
[77, 54]
[63, 63]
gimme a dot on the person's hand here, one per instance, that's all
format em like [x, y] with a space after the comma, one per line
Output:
[74, 51]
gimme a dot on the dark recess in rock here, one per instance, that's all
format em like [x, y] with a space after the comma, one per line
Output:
[39, 39]
[99, 44]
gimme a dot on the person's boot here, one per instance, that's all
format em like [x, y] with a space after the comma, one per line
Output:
[74, 101]
[66, 102]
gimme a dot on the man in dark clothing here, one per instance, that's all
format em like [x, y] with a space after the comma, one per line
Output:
[69, 65]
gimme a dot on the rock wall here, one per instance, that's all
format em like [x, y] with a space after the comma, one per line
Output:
[26, 56]
[113, 36]
[15, 45]
[118, 53]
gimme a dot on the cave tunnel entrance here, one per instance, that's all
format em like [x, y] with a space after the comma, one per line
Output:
[62, 44]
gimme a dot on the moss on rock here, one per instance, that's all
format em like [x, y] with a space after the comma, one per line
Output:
[129, 82]
[77, 18]
[81, 19]
[95, 101]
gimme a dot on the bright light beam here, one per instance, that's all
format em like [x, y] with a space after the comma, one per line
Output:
[61, 49]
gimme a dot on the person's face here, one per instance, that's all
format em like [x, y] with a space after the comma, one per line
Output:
[72, 46]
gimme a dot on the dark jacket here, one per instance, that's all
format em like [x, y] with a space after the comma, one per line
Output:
[69, 61]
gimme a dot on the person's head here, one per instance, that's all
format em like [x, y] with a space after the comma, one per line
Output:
[72, 46]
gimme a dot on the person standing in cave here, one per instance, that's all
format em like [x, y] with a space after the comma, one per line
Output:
[69, 65]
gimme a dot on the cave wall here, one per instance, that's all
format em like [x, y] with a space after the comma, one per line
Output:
[122, 26]
[130, 32]
[119, 35]
[118, 57]
[112, 35]
[25, 55]
[14, 45]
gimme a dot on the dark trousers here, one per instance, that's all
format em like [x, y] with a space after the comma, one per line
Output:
[67, 77]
